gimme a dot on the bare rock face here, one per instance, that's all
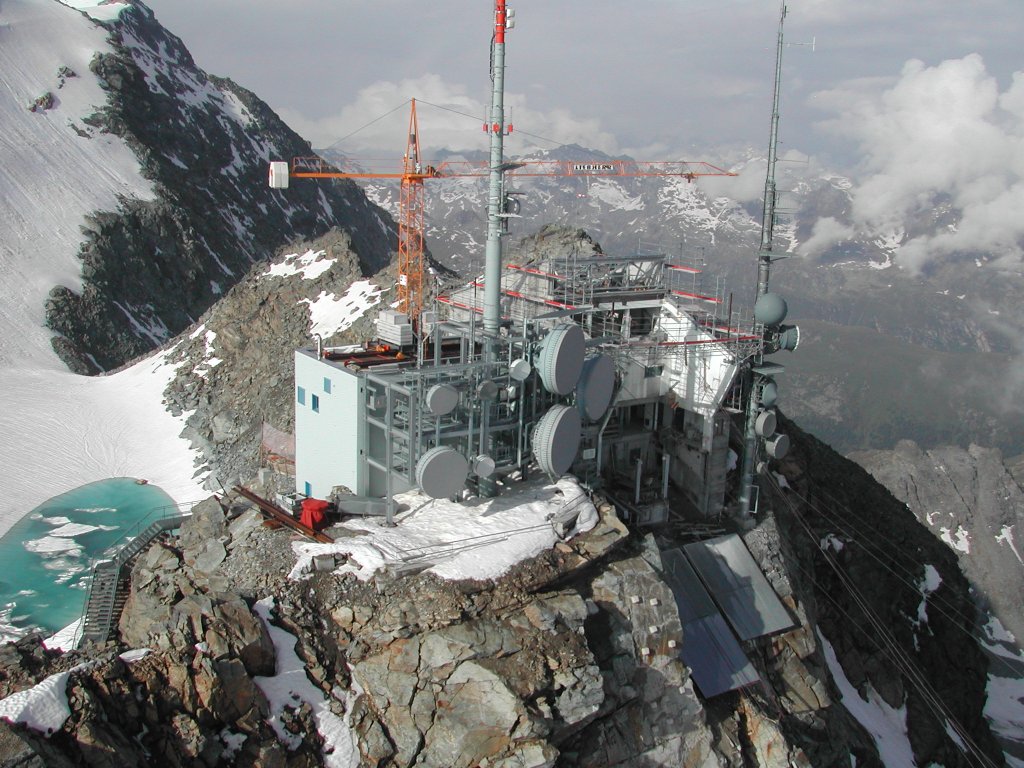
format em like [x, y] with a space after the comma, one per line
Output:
[171, 604]
[971, 500]
[491, 689]
[650, 714]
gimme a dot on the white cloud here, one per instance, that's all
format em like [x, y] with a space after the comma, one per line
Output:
[457, 126]
[826, 233]
[746, 187]
[937, 133]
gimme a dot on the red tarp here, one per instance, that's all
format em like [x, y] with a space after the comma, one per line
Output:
[313, 513]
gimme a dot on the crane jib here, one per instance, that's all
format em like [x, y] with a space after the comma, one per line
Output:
[583, 168]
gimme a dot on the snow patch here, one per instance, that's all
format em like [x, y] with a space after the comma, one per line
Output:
[1004, 703]
[290, 688]
[67, 638]
[1006, 537]
[960, 539]
[330, 314]
[43, 707]
[887, 726]
[929, 583]
[309, 264]
[72, 430]
[101, 10]
[832, 542]
[134, 654]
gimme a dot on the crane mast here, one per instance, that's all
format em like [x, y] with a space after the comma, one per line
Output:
[412, 290]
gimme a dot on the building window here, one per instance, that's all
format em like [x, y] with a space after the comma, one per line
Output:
[314, 401]
[300, 395]
[327, 385]
[307, 489]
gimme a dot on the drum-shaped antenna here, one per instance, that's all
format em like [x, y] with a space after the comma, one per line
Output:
[442, 399]
[597, 385]
[765, 423]
[777, 446]
[556, 439]
[561, 358]
[441, 472]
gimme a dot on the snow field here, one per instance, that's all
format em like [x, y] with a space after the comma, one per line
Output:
[478, 539]
[887, 726]
[62, 430]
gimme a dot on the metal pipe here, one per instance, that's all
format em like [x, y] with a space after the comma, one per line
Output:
[496, 127]
[319, 346]
[492, 252]
[389, 488]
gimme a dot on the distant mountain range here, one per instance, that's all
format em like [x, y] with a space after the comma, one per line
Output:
[930, 356]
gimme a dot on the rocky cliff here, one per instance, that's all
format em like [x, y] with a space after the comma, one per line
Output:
[570, 658]
[204, 142]
[970, 499]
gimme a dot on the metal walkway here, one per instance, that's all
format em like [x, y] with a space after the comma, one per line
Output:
[106, 597]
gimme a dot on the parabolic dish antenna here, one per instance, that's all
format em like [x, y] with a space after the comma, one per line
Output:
[441, 472]
[597, 384]
[442, 399]
[769, 393]
[561, 358]
[556, 439]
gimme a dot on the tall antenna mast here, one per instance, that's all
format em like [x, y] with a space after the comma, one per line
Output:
[764, 259]
[495, 199]
[496, 127]
[753, 380]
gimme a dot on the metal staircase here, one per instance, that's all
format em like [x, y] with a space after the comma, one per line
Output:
[107, 592]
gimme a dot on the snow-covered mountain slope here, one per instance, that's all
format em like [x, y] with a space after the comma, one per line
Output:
[52, 176]
[134, 196]
[60, 429]
[204, 142]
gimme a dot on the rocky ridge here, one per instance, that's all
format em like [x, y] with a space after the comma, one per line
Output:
[235, 366]
[571, 658]
[204, 142]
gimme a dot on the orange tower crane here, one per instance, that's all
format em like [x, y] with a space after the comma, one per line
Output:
[413, 288]
[411, 292]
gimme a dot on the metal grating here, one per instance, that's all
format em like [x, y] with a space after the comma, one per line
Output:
[709, 648]
[739, 588]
